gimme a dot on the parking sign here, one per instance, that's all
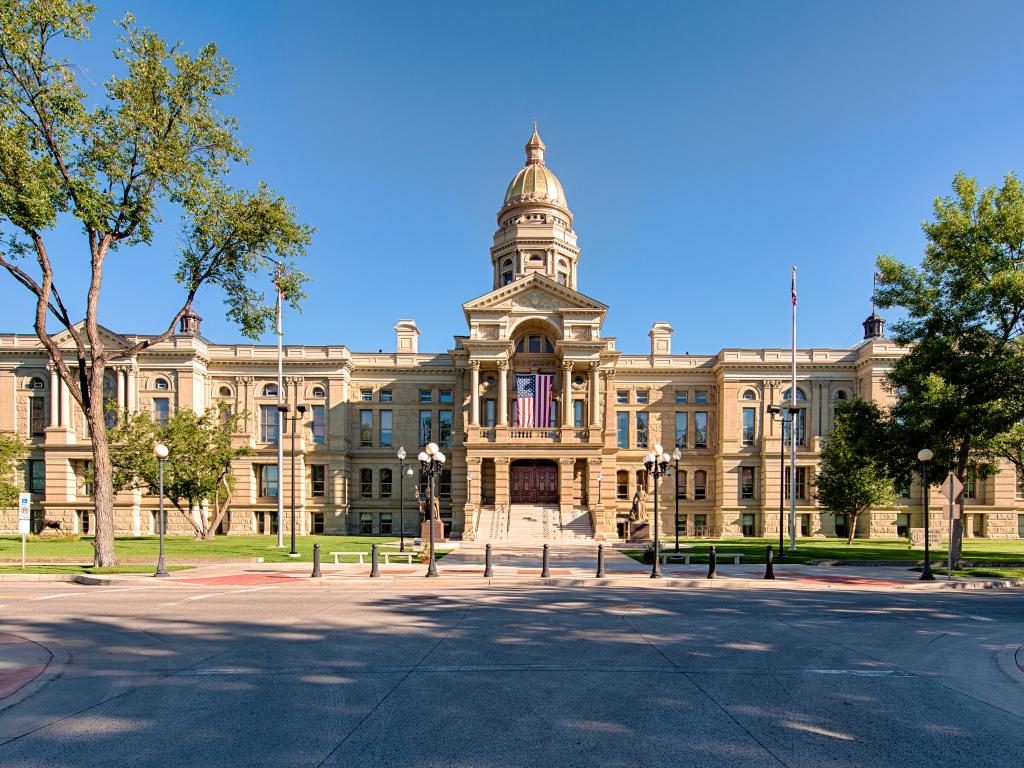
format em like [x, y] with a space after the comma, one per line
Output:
[24, 513]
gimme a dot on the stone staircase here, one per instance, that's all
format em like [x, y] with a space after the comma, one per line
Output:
[493, 523]
[534, 524]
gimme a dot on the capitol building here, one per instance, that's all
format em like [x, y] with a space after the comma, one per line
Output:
[571, 468]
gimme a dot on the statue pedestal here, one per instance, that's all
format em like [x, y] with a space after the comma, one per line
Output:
[425, 532]
[639, 532]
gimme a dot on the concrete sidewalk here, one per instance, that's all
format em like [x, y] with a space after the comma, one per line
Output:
[21, 662]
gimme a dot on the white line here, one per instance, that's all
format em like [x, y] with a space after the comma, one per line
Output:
[129, 589]
[195, 597]
[254, 589]
[61, 594]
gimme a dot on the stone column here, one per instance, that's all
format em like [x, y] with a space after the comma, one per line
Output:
[566, 465]
[65, 405]
[120, 373]
[595, 397]
[609, 408]
[503, 374]
[472, 506]
[54, 397]
[132, 375]
[501, 479]
[474, 407]
[566, 393]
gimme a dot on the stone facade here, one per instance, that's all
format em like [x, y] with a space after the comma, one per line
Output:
[610, 409]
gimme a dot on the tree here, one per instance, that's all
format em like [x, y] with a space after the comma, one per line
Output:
[854, 476]
[156, 145]
[12, 451]
[198, 466]
[961, 385]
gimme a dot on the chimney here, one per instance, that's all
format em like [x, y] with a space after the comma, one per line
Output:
[408, 337]
[661, 339]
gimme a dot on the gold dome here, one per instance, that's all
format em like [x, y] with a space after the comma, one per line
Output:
[535, 183]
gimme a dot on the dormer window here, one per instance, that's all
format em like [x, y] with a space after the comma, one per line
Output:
[506, 279]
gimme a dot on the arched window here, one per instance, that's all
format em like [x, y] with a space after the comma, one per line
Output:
[535, 343]
[800, 396]
[700, 484]
[750, 395]
[318, 392]
[270, 390]
[36, 383]
[160, 383]
[622, 484]
[507, 263]
[839, 395]
[681, 484]
[225, 392]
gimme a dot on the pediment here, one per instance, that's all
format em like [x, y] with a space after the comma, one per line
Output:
[110, 339]
[532, 293]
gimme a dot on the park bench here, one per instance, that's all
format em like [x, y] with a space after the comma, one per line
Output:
[337, 555]
[667, 557]
[399, 555]
[685, 556]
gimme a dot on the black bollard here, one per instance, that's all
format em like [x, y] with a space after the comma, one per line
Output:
[769, 572]
[488, 570]
[374, 567]
[712, 562]
[600, 561]
[316, 562]
[544, 572]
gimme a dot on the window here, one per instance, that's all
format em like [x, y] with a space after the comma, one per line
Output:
[622, 484]
[842, 526]
[319, 424]
[700, 397]
[385, 483]
[162, 384]
[444, 422]
[506, 278]
[425, 427]
[746, 482]
[700, 485]
[267, 479]
[801, 482]
[83, 481]
[365, 429]
[366, 395]
[110, 402]
[747, 524]
[1020, 483]
[365, 483]
[318, 392]
[268, 423]
[223, 413]
[971, 486]
[385, 523]
[622, 397]
[1020, 526]
[977, 525]
[681, 427]
[224, 391]
[903, 526]
[386, 396]
[681, 484]
[681, 526]
[577, 414]
[426, 396]
[268, 391]
[489, 411]
[622, 425]
[750, 395]
[700, 525]
[445, 396]
[161, 410]
[798, 416]
[365, 523]
[318, 523]
[563, 279]
[386, 420]
[317, 481]
[35, 476]
[805, 524]
[800, 396]
[700, 429]
[643, 397]
[839, 395]
[83, 521]
[681, 398]
[444, 489]
[37, 420]
[36, 383]
[748, 426]
[641, 429]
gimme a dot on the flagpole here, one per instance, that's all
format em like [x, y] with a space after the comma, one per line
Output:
[280, 420]
[792, 431]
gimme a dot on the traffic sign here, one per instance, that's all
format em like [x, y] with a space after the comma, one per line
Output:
[24, 513]
[951, 487]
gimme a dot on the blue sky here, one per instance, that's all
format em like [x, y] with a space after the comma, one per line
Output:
[703, 147]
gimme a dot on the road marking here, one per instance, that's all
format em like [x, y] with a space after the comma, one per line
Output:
[195, 597]
[61, 594]
[254, 589]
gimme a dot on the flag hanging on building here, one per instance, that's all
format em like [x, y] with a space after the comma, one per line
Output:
[533, 399]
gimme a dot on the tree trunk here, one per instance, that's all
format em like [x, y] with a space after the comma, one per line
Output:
[853, 528]
[957, 539]
[102, 486]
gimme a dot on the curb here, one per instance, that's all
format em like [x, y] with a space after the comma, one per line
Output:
[59, 658]
[37, 577]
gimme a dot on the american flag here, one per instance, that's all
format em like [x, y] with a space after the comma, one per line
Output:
[792, 288]
[533, 399]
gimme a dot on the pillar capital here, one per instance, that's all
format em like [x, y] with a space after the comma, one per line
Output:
[474, 365]
[503, 365]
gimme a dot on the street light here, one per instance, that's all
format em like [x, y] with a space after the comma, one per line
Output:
[676, 456]
[401, 497]
[300, 408]
[924, 456]
[161, 452]
[600, 478]
[780, 412]
[431, 462]
[657, 466]
[282, 423]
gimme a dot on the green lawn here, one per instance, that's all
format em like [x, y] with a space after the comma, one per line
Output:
[861, 549]
[80, 569]
[185, 546]
[986, 573]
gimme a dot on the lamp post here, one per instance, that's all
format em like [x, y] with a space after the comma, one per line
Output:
[924, 456]
[600, 479]
[676, 456]
[161, 452]
[300, 408]
[431, 462]
[401, 498]
[780, 412]
[657, 466]
[282, 422]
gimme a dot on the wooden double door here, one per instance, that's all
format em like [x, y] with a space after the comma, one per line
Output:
[534, 482]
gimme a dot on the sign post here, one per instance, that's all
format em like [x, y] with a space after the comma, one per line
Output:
[951, 489]
[24, 521]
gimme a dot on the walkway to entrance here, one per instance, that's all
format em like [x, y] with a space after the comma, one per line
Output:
[534, 481]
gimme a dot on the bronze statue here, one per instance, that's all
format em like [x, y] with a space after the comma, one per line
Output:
[638, 513]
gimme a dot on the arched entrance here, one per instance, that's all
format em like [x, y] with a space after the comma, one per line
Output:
[533, 481]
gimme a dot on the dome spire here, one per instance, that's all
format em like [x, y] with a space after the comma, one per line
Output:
[535, 148]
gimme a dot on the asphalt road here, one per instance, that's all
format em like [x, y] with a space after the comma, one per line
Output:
[201, 675]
